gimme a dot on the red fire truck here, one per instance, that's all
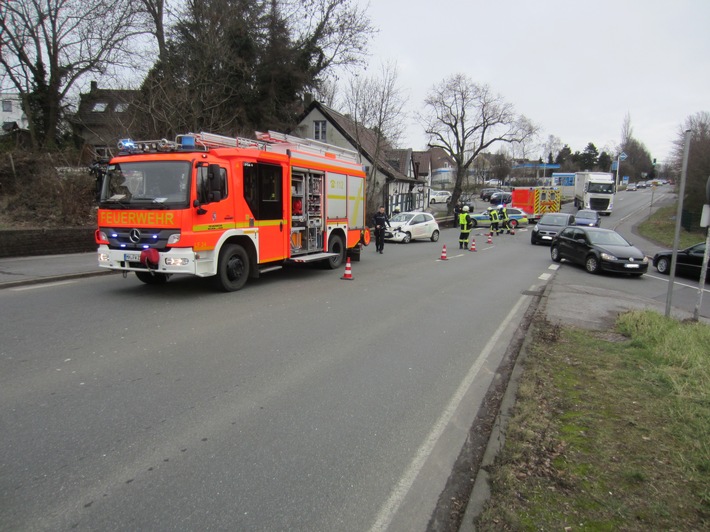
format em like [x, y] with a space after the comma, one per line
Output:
[231, 208]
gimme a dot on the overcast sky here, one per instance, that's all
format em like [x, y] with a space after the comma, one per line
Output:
[573, 67]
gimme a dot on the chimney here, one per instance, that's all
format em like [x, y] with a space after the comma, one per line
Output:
[94, 86]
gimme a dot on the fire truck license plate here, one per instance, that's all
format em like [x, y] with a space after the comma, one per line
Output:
[132, 257]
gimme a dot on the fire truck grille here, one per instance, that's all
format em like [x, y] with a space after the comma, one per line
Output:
[137, 238]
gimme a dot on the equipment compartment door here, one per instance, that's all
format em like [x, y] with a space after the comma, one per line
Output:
[264, 193]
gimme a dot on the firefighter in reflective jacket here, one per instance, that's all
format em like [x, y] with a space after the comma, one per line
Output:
[493, 215]
[504, 220]
[465, 226]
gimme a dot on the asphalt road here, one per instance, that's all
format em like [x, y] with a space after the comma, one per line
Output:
[303, 402]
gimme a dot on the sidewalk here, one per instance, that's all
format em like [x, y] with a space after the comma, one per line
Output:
[18, 271]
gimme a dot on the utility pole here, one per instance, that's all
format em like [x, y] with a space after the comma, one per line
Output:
[679, 214]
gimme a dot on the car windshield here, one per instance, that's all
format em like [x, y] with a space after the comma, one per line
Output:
[587, 214]
[554, 219]
[609, 239]
[402, 217]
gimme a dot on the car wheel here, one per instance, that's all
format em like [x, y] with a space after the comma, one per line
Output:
[435, 236]
[591, 264]
[432, 201]
[407, 238]
[663, 266]
[474, 222]
[555, 253]
[514, 224]
[532, 239]
[152, 278]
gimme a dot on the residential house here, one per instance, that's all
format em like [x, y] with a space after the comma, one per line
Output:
[393, 180]
[103, 118]
[13, 115]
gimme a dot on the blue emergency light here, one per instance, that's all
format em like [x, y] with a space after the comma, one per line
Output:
[186, 142]
[126, 144]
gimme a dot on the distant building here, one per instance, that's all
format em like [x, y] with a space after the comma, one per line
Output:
[13, 116]
[103, 118]
[400, 182]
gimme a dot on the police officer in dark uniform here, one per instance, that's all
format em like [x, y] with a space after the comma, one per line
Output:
[380, 220]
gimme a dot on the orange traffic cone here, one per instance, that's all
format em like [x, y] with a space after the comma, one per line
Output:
[443, 253]
[348, 272]
[473, 244]
[490, 239]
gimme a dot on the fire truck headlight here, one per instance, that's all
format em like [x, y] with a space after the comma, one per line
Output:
[174, 238]
[176, 261]
[103, 257]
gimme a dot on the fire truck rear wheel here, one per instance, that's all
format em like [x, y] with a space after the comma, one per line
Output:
[335, 245]
[232, 268]
[152, 278]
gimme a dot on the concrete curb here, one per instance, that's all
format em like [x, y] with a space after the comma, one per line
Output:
[52, 279]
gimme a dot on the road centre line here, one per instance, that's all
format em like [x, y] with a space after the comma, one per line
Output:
[400, 491]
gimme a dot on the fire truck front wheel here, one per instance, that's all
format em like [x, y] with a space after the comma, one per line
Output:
[232, 268]
[335, 245]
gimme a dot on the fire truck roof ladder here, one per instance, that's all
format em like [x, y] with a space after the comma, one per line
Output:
[307, 145]
[212, 140]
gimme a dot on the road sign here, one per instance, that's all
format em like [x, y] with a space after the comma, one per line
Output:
[622, 156]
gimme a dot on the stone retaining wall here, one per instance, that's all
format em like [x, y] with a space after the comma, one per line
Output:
[31, 242]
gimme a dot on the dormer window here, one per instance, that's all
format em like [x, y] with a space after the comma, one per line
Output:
[99, 107]
[121, 107]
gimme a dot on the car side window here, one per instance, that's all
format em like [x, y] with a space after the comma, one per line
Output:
[698, 250]
[419, 218]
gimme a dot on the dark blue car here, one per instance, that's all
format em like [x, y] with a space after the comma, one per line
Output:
[588, 218]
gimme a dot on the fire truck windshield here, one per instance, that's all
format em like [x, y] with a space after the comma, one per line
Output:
[147, 184]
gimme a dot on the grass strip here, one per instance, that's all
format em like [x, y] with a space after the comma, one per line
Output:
[611, 431]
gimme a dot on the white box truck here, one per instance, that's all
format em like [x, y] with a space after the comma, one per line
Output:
[595, 191]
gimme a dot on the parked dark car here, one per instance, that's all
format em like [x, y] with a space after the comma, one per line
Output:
[486, 193]
[501, 197]
[588, 218]
[689, 261]
[598, 250]
[549, 225]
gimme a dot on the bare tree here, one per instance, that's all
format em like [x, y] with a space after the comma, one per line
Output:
[627, 131]
[698, 171]
[465, 118]
[328, 33]
[376, 104]
[46, 46]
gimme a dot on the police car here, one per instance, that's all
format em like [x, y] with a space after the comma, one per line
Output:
[517, 217]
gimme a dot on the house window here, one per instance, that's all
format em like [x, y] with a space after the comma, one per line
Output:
[319, 132]
[121, 107]
[99, 107]
[7, 106]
